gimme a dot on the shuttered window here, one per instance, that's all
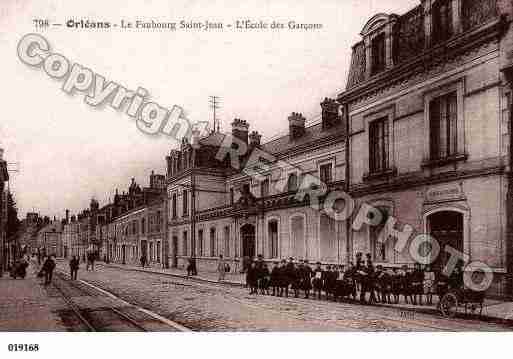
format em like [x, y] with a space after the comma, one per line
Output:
[378, 140]
[443, 126]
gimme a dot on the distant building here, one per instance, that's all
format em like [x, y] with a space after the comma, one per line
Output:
[4, 177]
[124, 230]
[49, 238]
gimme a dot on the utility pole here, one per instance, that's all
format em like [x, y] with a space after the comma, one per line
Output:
[214, 105]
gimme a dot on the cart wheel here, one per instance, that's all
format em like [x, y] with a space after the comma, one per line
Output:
[449, 305]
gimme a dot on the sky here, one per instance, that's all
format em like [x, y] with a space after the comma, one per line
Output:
[65, 152]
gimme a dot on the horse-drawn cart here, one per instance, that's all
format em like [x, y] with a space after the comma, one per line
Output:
[455, 299]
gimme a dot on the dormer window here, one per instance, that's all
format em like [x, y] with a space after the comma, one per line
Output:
[442, 20]
[378, 54]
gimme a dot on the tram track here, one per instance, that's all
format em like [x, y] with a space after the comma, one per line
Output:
[106, 316]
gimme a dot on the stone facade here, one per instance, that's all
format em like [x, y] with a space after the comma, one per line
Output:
[442, 150]
[123, 230]
[238, 214]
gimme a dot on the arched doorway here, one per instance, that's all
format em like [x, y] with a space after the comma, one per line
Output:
[247, 234]
[446, 227]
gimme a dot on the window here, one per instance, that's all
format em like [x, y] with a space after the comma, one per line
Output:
[292, 183]
[184, 248]
[212, 242]
[273, 239]
[378, 54]
[143, 225]
[298, 245]
[158, 252]
[159, 221]
[380, 251]
[378, 141]
[231, 196]
[264, 188]
[227, 241]
[174, 205]
[325, 173]
[185, 203]
[442, 20]
[443, 118]
[200, 243]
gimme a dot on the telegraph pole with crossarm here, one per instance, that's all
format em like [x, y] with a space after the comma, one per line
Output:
[215, 105]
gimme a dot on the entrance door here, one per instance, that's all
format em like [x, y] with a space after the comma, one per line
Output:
[174, 262]
[247, 233]
[446, 227]
[123, 253]
[144, 249]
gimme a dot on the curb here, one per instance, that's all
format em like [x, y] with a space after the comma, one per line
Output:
[195, 278]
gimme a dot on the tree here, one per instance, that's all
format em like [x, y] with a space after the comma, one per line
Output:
[13, 222]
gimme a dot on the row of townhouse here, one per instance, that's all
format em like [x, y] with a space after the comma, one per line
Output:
[421, 133]
[123, 231]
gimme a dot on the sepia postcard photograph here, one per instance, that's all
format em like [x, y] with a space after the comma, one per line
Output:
[321, 171]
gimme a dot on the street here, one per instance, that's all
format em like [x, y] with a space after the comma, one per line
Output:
[212, 307]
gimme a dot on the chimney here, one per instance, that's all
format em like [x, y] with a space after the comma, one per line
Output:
[254, 139]
[240, 129]
[330, 113]
[296, 125]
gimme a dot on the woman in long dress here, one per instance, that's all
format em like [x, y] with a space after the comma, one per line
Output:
[221, 268]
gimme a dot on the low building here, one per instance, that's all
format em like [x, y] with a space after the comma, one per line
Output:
[49, 238]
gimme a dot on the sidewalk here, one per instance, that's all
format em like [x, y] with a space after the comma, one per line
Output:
[26, 306]
[234, 279]
[493, 310]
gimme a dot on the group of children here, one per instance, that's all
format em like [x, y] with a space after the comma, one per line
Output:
[355, 281]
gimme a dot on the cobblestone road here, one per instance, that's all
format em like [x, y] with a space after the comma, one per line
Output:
[211, 307]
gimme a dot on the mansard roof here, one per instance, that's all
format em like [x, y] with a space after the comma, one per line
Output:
[409, 38]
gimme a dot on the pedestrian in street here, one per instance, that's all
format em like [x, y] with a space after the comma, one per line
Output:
[283, 279]
[48, 267]
[265, 279]
[73, 267]
[93, 259]
[252, 278]
[417, 284]
[221, 268]
[275, 278]
[307, 273]
[371, 279]
[292, 276]
[429, 285]
[143, 261]
[317, 280]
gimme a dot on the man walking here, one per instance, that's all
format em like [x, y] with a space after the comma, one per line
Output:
[48, 267]
[73, 267]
